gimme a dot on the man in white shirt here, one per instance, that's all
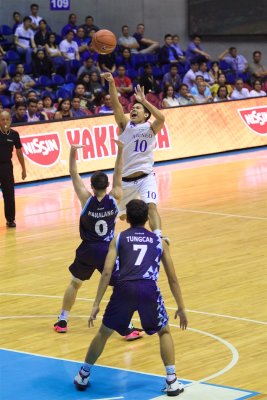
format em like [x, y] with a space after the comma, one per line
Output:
[239, 91]
[190, 76]
[127, 41]
[69, 48]
[35, 18]
[24, 40]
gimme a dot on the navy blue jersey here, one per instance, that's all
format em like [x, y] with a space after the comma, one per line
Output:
[139, 253]
[97, 220]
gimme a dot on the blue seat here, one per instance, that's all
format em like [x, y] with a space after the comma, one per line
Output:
[165, 68]
[70, 78]
[11, 69]
[224, 66]
[12, 56]
[27, 69]
[74, 66]
[6, 101]
[50, 94]
[231, 78]
[63, 93]
[138, 60]
[43, 81]
[157, 72]
[151, 58]
[245, 76]
[57, 80]
[132, 73]
[6, 30]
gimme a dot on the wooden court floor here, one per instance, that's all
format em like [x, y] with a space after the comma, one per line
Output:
[215, 212]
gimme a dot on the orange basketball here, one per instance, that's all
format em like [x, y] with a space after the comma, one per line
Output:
[104, 41]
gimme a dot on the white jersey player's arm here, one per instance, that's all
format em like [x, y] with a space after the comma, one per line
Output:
[116, 105]
[116, 190]
[174, 285]
[157, 125]
[79, 187]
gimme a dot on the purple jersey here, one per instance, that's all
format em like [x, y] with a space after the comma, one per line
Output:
[139, 253]
[97, 220]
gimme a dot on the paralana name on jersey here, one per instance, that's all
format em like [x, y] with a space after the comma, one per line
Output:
[143, 239]
[101, 214]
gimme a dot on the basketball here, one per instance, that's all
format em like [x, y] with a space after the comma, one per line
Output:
[104, 41]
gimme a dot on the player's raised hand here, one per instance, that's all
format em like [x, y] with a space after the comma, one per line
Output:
[75, 147]
[183, 319]
[108, 76]
[94, 312]
[139, 93]
[119, 143]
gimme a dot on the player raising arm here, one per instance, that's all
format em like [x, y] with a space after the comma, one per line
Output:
[97, 223]
[139, 138]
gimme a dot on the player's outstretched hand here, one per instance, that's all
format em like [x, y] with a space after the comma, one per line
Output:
[119, 143]
[183, 319]
[75, 147]
[94, 312]
[108, 76]
[139, 93]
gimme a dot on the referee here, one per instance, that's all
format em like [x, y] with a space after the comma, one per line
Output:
[8, 139]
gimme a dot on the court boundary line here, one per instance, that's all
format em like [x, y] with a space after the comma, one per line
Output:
[168, 308]
[186, 210]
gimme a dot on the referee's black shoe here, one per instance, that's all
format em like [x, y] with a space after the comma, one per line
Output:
[11, 224]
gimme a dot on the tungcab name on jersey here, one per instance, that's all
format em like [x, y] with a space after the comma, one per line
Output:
[143, 239]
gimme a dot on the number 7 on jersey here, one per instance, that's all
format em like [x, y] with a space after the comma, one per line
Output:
[143, 249]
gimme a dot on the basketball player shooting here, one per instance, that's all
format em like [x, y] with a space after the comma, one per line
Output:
[139, 138]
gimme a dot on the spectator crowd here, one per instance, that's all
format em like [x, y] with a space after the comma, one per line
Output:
[46, 75]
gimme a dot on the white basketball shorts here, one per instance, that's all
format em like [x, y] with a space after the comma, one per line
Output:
[144, 189]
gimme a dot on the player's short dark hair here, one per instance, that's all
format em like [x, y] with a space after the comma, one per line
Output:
[145, 110]
[99, 180]
[137, 212]
[34, 5]
[26, 19]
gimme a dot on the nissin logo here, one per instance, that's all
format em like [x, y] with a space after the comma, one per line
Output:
[43, 149]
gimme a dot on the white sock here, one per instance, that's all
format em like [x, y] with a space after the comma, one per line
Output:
[130, 326]
[86, 368]
[170, 372]
[158, 232]
[64, 315]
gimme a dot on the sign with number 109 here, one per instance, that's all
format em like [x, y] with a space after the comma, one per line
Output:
[59, 5]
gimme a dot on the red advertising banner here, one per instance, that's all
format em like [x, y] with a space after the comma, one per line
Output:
[188, 131]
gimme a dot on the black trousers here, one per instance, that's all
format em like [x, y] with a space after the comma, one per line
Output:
[7, 186]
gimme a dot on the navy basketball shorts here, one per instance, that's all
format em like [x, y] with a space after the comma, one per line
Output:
[142, 296]
[89, 257]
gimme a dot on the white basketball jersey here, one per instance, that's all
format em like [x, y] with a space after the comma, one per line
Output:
[139, 142]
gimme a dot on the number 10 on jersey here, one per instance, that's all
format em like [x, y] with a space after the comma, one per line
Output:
[140, 145]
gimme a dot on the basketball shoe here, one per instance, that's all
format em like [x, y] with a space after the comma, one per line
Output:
[173, 388]
[61, 326]
[133, 334]
[81, 380]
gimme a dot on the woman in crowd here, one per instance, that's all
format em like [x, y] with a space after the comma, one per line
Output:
[64, 109]
[55, 55]
[169, 99]
[49, 107]
[214, 72]
[257, 89]
[222, 94]
[221, 82]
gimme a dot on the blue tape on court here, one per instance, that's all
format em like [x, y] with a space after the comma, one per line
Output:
[31, 377]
